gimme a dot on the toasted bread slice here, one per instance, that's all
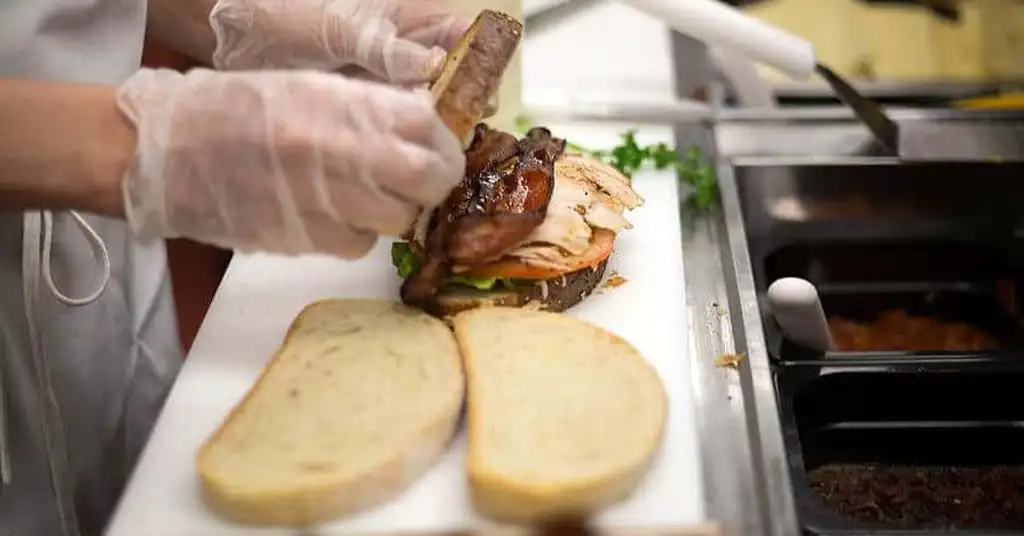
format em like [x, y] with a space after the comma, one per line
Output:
[472, 72]
[564, 417]
[555, 295]
[346, 416]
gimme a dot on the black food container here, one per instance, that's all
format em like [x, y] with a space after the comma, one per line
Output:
[889, 441]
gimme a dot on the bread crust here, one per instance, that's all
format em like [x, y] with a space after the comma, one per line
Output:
[472, 71]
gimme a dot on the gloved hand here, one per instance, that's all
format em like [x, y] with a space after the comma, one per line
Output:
[283, 161]
[396, 41]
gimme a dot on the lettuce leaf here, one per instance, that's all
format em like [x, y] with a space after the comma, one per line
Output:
[479, 283]
[403, 259]
[405, 262]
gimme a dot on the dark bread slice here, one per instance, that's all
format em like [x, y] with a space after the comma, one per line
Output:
[472, 71]
[562, 293]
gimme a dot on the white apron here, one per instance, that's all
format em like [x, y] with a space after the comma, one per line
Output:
[83, 372]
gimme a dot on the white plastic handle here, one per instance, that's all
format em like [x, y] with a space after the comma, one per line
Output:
[797, 308]
[718, 24]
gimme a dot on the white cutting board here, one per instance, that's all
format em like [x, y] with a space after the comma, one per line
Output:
[262, 294]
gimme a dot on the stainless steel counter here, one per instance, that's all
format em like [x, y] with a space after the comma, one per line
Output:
[897, 90]
[741, 441]
[746, 468]
[831, 132]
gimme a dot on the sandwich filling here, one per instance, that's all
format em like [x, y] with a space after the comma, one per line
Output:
[525, 211]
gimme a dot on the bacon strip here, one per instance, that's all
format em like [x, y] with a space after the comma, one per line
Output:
[502, 198]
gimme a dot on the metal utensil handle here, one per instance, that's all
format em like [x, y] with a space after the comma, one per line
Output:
[797, 308]
[886, 131]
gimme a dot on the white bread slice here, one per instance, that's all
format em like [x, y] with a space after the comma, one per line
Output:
[472, 71]
[346, 416]
[564, 417]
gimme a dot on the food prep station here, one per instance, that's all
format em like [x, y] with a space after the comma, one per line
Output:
[855, 441]
[804, 193]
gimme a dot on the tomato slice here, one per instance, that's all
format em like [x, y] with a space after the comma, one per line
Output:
[601, 243]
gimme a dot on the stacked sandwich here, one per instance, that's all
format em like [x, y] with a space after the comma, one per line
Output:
[530, 222]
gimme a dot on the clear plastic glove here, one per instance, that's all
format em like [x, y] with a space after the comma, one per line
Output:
[283, 161]
[395, 41]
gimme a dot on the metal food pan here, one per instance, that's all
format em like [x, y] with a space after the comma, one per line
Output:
[905, 448]
[954, 281]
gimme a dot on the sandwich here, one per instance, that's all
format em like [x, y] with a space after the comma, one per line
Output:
[531, 223]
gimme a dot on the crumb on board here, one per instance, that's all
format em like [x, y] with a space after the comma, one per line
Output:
[729, 360]
[614, 280]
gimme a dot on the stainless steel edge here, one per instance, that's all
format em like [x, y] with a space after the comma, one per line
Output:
[896, 89]
[732, 495]
[995, 124]
[823, 160]
[815, 114]
[765, 432]
[927, 135]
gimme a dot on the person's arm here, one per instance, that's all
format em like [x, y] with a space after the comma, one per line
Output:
[62, 146]
[183, 26]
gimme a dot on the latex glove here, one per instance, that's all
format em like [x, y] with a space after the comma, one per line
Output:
[284, 161]
[397, 41]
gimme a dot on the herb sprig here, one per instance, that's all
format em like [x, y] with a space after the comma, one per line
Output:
[629, 157]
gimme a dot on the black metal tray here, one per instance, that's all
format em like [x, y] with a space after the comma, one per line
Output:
[962, 415]
[895, 438]
[892, 262]
[975, 306]
[958, 282]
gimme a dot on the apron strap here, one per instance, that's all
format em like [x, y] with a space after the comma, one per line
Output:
[99, 248]
[38, 228]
